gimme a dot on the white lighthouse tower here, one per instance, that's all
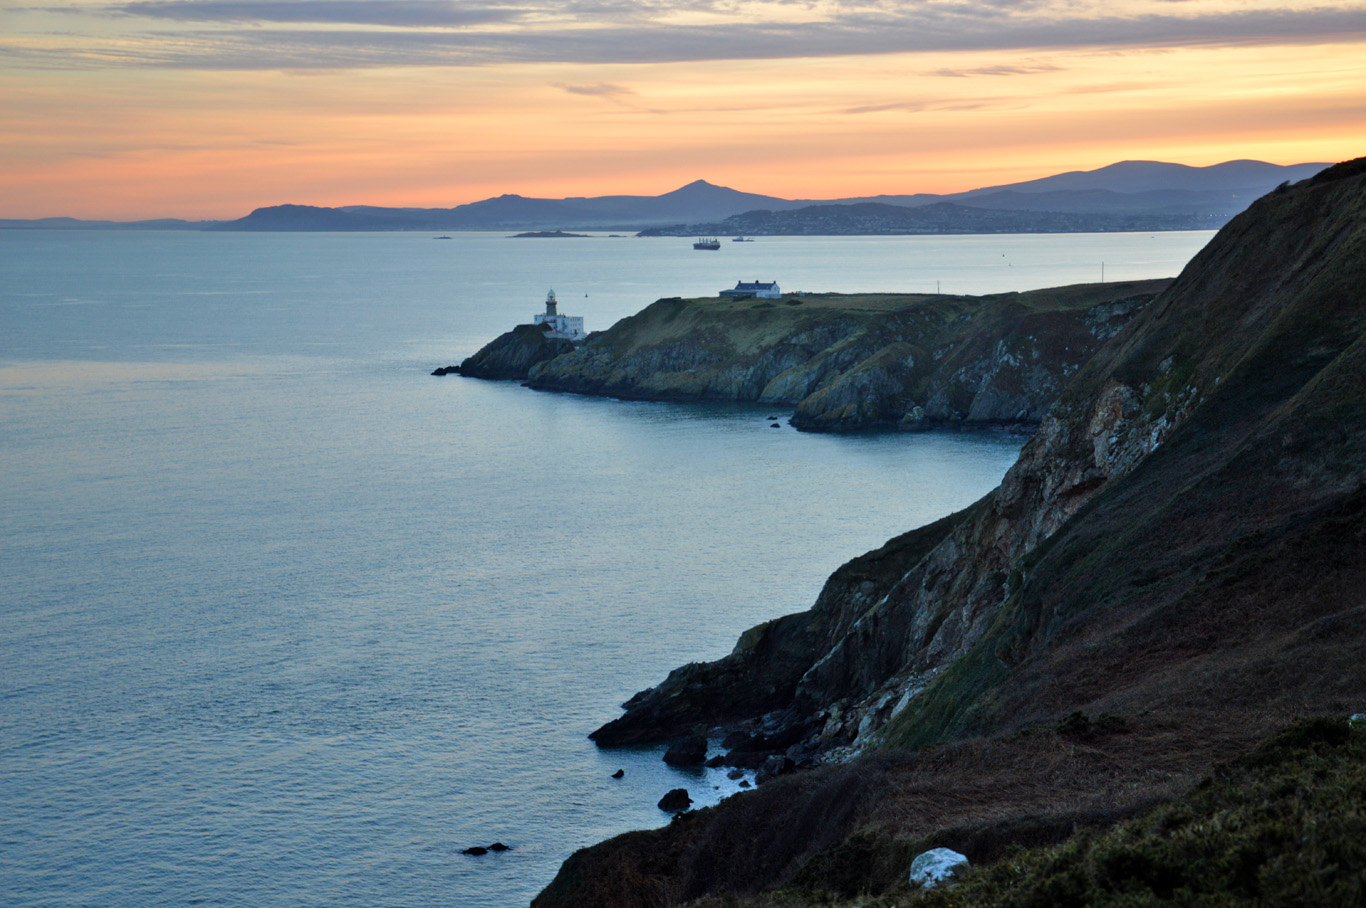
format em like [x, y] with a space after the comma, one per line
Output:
[569, 327]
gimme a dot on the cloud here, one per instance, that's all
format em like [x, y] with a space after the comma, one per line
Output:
[924, 106]
[436, 33]
[617, 94]
[407, 14]
[997, 71]
[600, 90]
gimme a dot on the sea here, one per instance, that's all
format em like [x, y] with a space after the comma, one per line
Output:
[285, 620]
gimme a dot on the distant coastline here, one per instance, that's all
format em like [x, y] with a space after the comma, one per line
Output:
[1126, 196]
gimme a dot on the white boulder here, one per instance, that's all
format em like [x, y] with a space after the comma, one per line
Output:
[935, 866]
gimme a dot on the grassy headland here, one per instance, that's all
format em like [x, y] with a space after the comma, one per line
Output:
[857, 361]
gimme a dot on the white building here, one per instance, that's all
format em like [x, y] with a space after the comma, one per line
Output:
[569, 327]
[755, 290]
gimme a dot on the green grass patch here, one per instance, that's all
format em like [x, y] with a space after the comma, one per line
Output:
[1166, 387]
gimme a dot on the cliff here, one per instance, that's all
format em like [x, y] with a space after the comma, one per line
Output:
[899, 361]
[1180, 549]
[512, 354]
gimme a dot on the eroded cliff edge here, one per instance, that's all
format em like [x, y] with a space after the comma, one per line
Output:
[514, 353]
[846, 361]
[1182, 545]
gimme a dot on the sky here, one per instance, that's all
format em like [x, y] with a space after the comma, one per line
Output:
[211, 108]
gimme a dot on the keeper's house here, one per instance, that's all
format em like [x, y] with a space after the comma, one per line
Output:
[756, 290]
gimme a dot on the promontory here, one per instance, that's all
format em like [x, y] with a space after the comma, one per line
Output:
[841, 361]
[1126, 676]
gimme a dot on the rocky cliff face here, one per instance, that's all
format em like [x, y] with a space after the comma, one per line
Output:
[514, 354]
[857, 362]
[1182, 543]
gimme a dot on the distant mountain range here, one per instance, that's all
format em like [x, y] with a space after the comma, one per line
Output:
[1130, 195]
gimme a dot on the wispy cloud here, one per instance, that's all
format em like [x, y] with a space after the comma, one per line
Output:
[407, 14]
[616, 94]
[208, 34]
[924, 106]
[1026, 70]
[599, 90]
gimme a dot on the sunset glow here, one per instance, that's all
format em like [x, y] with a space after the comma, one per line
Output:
[209, 108]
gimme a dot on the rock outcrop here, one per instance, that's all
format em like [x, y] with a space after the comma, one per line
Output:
[859, 361]
[1182, 543]
[513, 354]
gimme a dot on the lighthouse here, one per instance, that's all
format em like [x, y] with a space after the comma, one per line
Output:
[569, 327]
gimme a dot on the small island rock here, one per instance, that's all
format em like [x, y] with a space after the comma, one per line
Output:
[676, 800]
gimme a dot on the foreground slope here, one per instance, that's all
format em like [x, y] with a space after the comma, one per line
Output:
[1182, 545]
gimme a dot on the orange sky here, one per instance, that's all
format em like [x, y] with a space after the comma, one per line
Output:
[209, 108]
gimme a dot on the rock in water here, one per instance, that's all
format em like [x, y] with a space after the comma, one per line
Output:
[499, 846]
[687, 752]
[935, 866]
[619, 774]
[676, 800]
[476, 851]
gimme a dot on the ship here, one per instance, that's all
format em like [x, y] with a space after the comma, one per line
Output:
[707, 243]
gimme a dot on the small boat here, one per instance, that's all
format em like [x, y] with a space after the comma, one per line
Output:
[707, 243]
[441, 238]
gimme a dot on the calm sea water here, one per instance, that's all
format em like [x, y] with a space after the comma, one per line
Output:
[286, 621]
